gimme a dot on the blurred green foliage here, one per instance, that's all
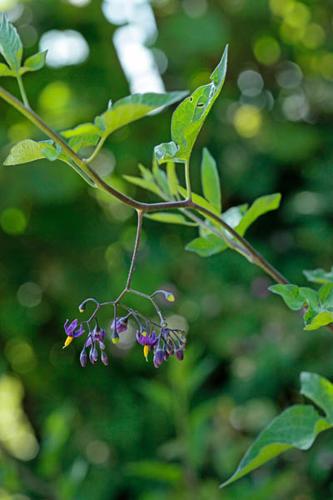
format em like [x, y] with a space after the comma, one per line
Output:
[130, 431]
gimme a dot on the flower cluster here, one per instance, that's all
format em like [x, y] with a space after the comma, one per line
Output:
[155, 338]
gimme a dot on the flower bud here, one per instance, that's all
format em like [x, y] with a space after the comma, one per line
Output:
[83, 358]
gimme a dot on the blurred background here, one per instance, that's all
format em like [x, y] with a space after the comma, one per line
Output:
[129, 430]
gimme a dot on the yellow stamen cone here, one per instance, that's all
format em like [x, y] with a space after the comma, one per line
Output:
[146, 350]
[68, 341]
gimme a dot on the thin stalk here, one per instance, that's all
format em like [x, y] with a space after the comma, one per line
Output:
[134, 256]
[22, 91]
[188, 181]
[97, 149]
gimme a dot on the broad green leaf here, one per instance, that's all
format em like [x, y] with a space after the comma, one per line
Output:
[82, 141]
[34, 62]
[6, 71]
[134, 107]
[173, 181]
[170, 218]
[323, 318]
[24, 152]
[143, 183]
[319, 276]
[296, 427]
[188, 118]
[320, 391]
[259, 207]
[199, 200]
[310, 296]
[81, 130]
[325, 294]
[208, 246]
[10, 44]
[210, 180]
[290, 294]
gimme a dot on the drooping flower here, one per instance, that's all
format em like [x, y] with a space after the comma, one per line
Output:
[120, 324]
[72, 330]
[146, 340]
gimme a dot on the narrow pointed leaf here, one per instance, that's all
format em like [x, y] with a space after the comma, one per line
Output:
[34, 62]
[81, 130]
[170, 218]
[199, 200]
[173, 181]
[134, 107]
[143, 183]
[210, 180]
[10, 44]
[189, 117]
[260, 206]
[319, 276]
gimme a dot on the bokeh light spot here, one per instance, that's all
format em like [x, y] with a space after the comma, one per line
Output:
[13, 221]
[247, 121]
[267, 50]
[65, 48]
[29, 294]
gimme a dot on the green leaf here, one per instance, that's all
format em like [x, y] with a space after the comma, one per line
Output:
[81, 130]
[210, 180]
[10, 44]
[199, 200]
[134, 107]
[323, 318]
[296, 427]
[34, 62]
[143, 183]
[208, 246]
[25, 152]
[290, 294]
[188, 118]
[173, 181]
[6, 71]
[320, 391]
[83, 141]
[167, 217]
[161, 178]
[319, 276]
[260, 206]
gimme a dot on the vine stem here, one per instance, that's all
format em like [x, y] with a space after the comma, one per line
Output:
[242, 243]
[22, 91]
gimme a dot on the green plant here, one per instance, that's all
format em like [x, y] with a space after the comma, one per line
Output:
[218, 230]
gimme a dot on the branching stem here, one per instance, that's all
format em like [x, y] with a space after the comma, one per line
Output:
[242, 244]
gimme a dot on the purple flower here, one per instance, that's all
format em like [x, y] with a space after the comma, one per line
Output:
[147, 340]
[143, 338]
[179, 354]
[93, 355]
[104, 358]
[120, 325]
[159, 356]
[72, 331]
[83, 358]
